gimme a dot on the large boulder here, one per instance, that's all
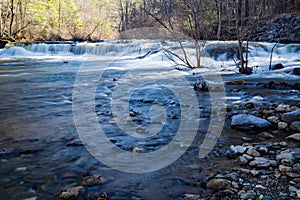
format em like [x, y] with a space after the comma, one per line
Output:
[290, 117]
[296, 71]
[248, 122]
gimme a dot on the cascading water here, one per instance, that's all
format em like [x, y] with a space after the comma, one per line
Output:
[222, 53]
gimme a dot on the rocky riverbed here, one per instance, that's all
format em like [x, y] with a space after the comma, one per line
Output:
[264, 169]
[257, 157]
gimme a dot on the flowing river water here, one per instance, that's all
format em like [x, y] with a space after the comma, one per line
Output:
[41, 152]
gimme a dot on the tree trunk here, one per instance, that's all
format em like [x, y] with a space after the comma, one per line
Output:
[239, 12]
[263, 8]
[11, 17]
[1, 32]
[219, 4]
[246, 8]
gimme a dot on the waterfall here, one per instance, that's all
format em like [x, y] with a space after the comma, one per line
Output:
[217, 53]
[105, 48]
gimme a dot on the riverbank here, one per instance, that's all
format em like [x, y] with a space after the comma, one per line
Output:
[283, 29]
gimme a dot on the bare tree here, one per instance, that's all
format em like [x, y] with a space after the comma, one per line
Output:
[220, 12]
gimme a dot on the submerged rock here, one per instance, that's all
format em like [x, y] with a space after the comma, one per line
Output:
[71, 193]
[295, 137]
[236, 82]
[248, 122]
[277, 66]
[91, 180]
[296, 71]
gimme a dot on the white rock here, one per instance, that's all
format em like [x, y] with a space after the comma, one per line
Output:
[21, 169]
[282, 107]
[282, 125]
[273, 119]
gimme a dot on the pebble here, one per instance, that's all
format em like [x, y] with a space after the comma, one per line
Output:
[282, 107]
[293, 175]
[137, 150]
[283, 168]
[255, 172]
[253, 152]
[283, 194]
[71, 193]
[260, 187]
[282, 125]
[21, 169]
[242, 160]
[218, 183]
[248, 157]
[91, 180]
[248, 195]
[247, 139]
[235, 185]
[260, 162]
[31, 198]
[295, 126]
[296, 168]
[273, 119]
[265, 135]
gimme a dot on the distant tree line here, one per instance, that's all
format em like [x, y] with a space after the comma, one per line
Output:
[99, 19]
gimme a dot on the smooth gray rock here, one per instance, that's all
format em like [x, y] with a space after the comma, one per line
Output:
[290, 117]
[248, 122]
[249, 195]
[260, 162]
[295, 126]
[282, 125]
[71, 193]
[295, 137]
[218, 183]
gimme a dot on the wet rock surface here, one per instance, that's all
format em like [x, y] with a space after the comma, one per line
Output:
[268, 166]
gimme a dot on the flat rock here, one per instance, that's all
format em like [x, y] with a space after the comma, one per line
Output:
[295, 126]
[218, 183]
[290, 117]
[72, 193]
[283, 168]
[248, 122]
[260, 163]
[249, 195]
[295, 137]
[253, 152]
